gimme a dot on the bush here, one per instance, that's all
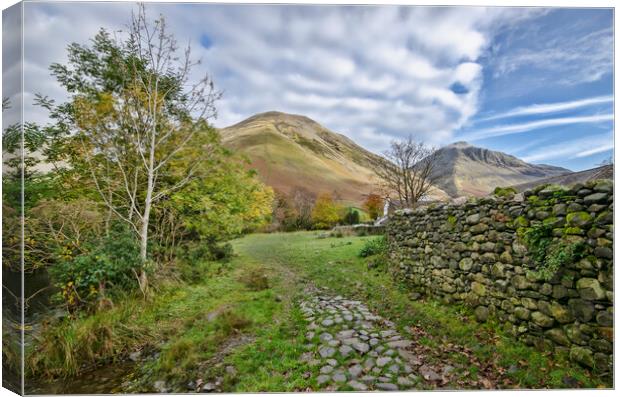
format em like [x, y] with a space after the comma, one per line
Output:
[109, 265]
[221, 252]
[374, 246]
[325, 212]
[193, 252]
[352, 217]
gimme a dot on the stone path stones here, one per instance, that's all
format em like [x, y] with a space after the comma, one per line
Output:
[351, 348]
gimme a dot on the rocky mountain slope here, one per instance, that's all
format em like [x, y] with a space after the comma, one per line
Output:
[603, 172]
[466, 170]
[290, 150]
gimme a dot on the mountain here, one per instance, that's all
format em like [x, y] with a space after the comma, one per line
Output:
[290, 150]
[602, 172]
[466, 170]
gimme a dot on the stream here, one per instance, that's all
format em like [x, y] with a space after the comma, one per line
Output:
[107, 379]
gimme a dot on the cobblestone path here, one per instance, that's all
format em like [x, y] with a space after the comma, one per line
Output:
[351, 348]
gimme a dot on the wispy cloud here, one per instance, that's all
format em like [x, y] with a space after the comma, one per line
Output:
[598, 149]
[534, 125]
[538, 109]
[572, 59]
[576, 148]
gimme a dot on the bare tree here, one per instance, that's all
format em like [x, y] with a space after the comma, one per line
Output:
[302, 201]
[407, 175]
[137, 108]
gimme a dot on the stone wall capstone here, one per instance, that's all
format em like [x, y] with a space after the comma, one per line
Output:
[477, 253]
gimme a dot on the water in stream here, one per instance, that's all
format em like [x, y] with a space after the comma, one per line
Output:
[104, 380]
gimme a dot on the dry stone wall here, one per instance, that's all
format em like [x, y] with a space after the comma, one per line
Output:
[499, 255]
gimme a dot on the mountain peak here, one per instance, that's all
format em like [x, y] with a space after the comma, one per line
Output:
[290, 151]
[460, 145]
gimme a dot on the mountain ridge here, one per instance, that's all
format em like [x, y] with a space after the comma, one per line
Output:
[291, 150]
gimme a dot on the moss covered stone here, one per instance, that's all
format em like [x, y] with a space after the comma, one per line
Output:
[466, 264]
[472, 219]
[604, 186]
[554, 221]
[504, 191]
[478, 288]
[579, 219]
[595, 198]
[574, 231]
[561, 313]
[497, 270]
[590, 289]
[479, 228]
[542, 320]
[520, 282]
[581, 309]
[604, 218]
[505, 257]
[482, 313]
[522, 313]
[559, 209]
[452, 220]
[558, 336]
[582, 355]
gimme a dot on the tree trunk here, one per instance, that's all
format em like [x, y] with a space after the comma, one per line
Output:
[144, 232]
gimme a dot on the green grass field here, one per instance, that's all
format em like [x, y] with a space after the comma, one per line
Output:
[242, 315]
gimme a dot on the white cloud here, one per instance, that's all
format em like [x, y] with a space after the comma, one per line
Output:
[538, 109]
[534, 125]
[598, 149]
[372, 73]
[576, 148]
[384, 70]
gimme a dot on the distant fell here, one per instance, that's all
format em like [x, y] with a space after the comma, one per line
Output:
[466, 170]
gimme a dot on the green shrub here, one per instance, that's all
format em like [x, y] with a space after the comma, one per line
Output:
[352, 217]
[374, 246]
[198, 251]
[548, 253]
[110, 266]
[221, 252]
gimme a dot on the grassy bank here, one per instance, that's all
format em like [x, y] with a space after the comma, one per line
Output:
[241, 315]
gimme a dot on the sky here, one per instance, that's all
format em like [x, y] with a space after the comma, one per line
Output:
[536, 83]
